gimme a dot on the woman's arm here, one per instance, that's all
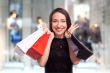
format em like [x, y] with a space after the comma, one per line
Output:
[68, 34]
[73, 56]
[43, 60]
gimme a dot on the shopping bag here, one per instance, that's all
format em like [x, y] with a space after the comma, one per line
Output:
[72, 46]
[37, 50]
[83, 52]
[25, 45]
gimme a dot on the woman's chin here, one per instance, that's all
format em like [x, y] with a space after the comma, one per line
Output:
[59, 35]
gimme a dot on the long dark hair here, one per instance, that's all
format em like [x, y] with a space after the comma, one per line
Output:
[63, 11]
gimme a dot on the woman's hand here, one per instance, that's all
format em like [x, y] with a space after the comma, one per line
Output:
[71, 30]
[49, 32]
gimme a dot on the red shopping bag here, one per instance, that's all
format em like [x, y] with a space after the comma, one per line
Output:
[37, 50]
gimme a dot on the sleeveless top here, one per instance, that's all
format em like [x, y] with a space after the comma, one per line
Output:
[59, 59]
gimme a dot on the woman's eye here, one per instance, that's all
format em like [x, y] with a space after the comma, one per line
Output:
[63, 21]
[54, 21]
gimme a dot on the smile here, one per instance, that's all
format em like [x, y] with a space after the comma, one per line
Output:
[59, 29]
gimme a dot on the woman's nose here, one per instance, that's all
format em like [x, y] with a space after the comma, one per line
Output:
[59, 24]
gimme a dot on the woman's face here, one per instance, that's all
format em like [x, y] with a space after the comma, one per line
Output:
[59, 24]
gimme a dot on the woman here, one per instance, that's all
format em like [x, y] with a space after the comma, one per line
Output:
[14, 27]
[14, 33]
[57, 57]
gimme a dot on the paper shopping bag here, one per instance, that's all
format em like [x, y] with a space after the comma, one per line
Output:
[72, 46]
[83, 52]
[37, 50]
[23, 46]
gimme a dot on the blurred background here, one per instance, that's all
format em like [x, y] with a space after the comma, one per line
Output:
[93, 16]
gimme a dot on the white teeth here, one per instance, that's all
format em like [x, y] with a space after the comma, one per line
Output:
[58, 29]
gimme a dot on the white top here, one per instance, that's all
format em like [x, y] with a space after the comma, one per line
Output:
[11, 20]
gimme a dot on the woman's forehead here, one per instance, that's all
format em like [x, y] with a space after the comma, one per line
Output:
[58, 15]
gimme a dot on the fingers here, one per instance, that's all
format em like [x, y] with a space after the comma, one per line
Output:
[51, 35]
[73, 27]
[46, 30]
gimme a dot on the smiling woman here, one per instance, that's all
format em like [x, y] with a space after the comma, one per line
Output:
[57, 57]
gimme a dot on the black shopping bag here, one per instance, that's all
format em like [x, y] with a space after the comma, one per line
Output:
[83, 53]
